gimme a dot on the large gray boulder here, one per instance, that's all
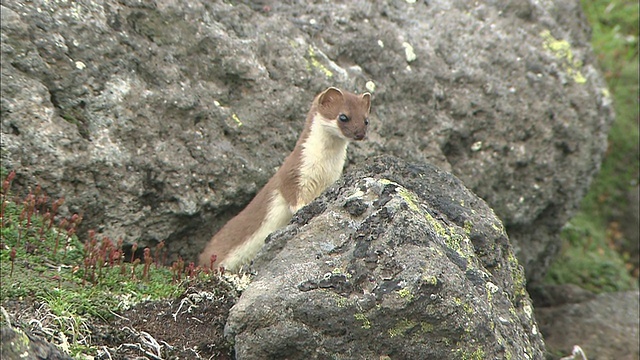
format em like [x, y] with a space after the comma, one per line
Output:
[158, 120]
[396, 261]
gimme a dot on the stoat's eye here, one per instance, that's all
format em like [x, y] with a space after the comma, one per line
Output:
[366, 121]
[343, 118]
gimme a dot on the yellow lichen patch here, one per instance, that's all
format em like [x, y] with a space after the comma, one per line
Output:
[339, 271]
[236, 119]
[426, 327]
[405, 294]
[430, 279]
[477, 354]
[341, 302]
[315, 64]
[459, 243]
[561, 49]
[409, 198]
[402, 327]
[468, 309]
[468, 226]
[436, 225]
[499, 228]
[366, 324]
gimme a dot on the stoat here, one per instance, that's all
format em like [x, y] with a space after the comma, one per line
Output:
[336, 117]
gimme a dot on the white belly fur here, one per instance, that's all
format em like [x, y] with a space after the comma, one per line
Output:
[277, 217]
[323, 157]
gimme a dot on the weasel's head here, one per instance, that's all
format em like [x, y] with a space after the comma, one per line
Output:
[345, 114]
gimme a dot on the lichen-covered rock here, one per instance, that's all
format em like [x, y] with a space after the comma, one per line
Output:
[158, 120]
[17, 344]
[396, 261]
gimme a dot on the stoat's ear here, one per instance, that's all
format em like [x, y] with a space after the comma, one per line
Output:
[330, 96]
[366, 98]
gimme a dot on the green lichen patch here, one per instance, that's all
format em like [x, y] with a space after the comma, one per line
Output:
[405, 293]
[477, 354]
[561, 49]
[313, 63]
[366, 324]
[402, 327]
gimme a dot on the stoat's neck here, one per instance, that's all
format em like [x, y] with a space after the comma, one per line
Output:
[323, 154]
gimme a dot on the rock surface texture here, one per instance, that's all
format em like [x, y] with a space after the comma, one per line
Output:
[604, 326]
[159, 120]
[396, 261]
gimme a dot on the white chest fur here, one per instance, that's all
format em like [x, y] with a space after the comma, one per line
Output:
[323, 156]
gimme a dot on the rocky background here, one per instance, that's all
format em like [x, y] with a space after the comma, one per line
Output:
[159, 120]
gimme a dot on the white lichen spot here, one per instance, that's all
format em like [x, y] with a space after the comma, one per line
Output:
[106, 149]
[116, 89]
[370, 85]
[476, 146]
[239, 282]
[312, 21]
[577, 353]
[408, 52]
[491, 287]
[411, 1]
[356, 195]
[80, 65]
[381, 43]
[534, 330]
[528, 311]
[216, 103]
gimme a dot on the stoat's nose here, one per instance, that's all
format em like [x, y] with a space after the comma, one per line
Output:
[359, 136]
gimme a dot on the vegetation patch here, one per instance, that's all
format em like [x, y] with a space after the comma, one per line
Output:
[597, 254]
[90, 297]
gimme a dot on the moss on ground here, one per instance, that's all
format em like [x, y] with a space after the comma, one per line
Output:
[72, 283]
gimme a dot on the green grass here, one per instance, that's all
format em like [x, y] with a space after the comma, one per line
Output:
[589, 258]
[73, 282]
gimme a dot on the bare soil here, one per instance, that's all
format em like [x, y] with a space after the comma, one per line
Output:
[189, 327]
